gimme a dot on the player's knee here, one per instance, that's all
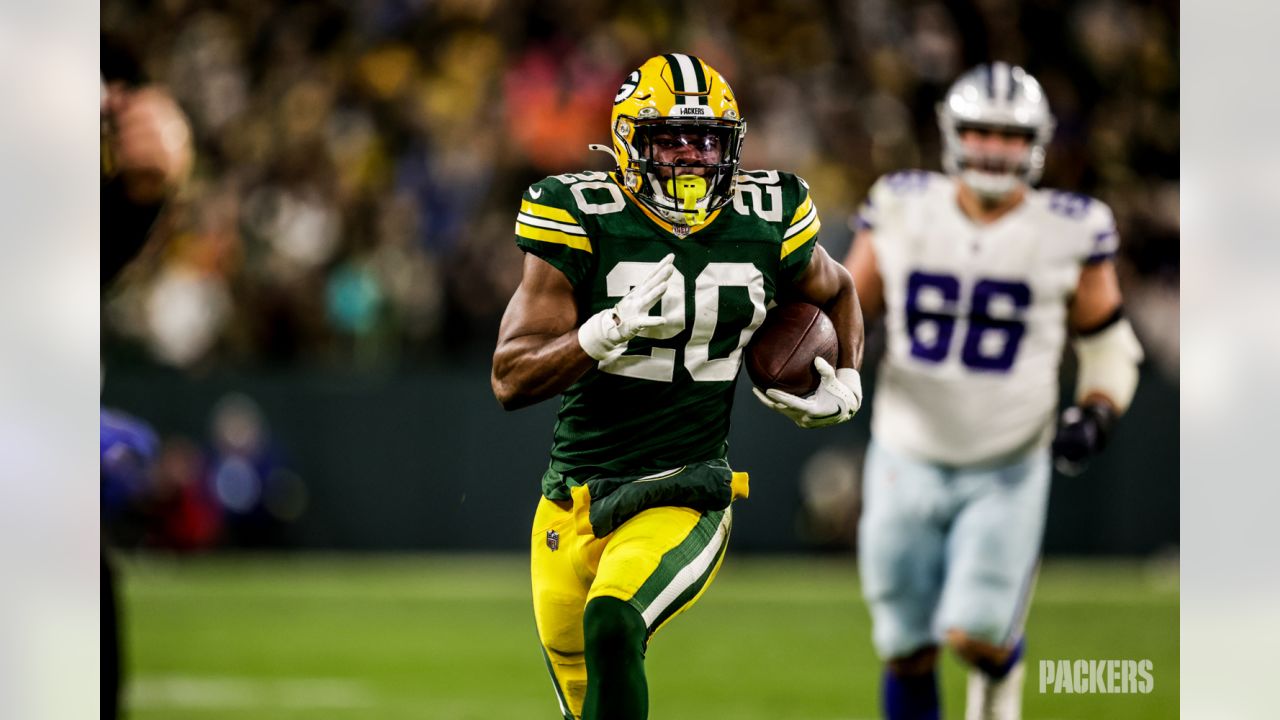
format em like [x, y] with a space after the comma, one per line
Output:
[976, 651]
[920, 662]
[613, 623]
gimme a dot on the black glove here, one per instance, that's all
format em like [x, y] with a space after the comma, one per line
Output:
[1082, 433]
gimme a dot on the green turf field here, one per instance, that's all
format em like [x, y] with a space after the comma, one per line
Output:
[451, 638]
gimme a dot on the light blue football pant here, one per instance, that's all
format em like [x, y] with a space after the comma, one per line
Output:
[943, 548]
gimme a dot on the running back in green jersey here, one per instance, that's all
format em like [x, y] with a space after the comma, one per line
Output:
[666, 401]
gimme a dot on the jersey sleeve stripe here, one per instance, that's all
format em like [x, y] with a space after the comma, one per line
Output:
[803, 209]
[529, 232]
[798, 241]
[803, 223]
[550, 224]
[546, 211]
[1105, 245]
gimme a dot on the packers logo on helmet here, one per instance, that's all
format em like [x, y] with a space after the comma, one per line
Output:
[677, 137]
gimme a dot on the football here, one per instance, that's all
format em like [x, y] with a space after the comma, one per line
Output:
[780, 354]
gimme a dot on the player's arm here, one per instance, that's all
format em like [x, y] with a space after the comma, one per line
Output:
[1108, 354]
[860, 261]
[149, 156]
[538, 354]
[541, 349]
[825, 283]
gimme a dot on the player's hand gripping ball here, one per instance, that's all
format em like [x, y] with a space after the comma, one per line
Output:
[780, 354]
[790, 360]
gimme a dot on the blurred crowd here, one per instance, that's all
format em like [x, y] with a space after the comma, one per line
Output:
[231, 487]
[359, 164]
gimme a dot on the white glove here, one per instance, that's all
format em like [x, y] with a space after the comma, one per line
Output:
[604, 335]
[838, 397]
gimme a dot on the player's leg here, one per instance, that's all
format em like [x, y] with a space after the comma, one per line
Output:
[900, 556]
[559, 596]
[615, 645]
[654, 567]
[992, 556]
[994, 688]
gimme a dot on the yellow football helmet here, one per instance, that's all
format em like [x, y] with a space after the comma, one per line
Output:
[677, 137]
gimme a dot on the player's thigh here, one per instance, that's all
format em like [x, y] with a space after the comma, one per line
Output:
[559, 591]
[900, 533]
[661, 560]
[994, 548]
[901, 548]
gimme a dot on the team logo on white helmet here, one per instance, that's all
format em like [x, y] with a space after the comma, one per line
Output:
[995, 96]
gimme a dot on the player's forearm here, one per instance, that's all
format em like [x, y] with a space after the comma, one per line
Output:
[532, 368]
[846, 315]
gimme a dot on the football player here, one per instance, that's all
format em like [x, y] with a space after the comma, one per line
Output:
[979, 277]
[641, 287]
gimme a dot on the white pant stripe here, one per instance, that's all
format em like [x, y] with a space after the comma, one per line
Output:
[690, 573]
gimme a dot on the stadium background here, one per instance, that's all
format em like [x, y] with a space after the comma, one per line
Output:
[313, 340]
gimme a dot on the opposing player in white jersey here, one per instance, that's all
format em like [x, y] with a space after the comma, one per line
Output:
[980, 278]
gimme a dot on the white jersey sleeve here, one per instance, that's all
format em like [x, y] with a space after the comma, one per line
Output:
[975, 315]
[1102, 241]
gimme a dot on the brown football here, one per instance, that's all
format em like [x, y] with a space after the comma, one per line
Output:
[781, 352]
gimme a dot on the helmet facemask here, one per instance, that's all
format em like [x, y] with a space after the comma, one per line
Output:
[698, 173]
[995, 175]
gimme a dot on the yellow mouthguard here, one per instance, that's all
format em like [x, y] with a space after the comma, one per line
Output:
[688, 190]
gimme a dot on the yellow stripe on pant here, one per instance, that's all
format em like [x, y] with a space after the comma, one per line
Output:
[659, 561]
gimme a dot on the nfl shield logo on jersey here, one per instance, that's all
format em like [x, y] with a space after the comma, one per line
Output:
[553, 540]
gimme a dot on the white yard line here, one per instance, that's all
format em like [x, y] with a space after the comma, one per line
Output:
[191, 691]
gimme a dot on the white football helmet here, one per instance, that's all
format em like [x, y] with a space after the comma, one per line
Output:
[1002, 97]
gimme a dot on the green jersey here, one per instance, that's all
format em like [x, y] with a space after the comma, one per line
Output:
[666, 401]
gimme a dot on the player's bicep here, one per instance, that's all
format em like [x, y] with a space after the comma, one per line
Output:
[1097, 296]
[543, 304]
[861, 263]
[820, 282]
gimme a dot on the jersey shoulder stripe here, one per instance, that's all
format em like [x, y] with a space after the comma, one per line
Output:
[529, 232]
[528, 207]
[1086, 223]
[803, 210]
[891, 193]
[805, 223]
[801, 232]
[545, 222]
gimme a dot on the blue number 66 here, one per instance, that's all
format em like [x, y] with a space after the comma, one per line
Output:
[991, 356]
